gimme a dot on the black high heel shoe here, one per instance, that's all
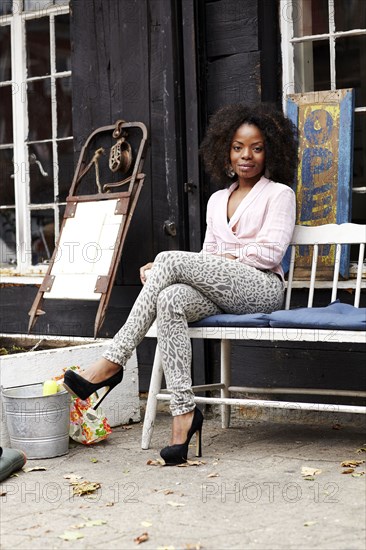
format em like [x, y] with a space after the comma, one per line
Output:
[177, 454]
[80, 387]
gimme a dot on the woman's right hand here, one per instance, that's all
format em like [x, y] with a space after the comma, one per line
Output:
[143, 270]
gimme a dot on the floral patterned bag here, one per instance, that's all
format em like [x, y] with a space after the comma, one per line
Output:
[87, 426]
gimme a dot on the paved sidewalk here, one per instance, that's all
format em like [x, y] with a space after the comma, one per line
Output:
[248, 494]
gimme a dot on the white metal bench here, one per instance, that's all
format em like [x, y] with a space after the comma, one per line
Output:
[313, 236]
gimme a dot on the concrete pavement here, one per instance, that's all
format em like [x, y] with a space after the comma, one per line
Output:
[249, 492]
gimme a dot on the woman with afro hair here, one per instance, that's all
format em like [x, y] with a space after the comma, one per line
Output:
[252, 153]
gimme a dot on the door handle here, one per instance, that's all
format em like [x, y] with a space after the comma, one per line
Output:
[170, 228]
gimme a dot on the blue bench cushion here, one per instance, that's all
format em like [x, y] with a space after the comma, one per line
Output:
[230, 320]
[334, 316]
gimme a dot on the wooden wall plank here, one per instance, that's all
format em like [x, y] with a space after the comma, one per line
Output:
[233, 79]
[232, 27]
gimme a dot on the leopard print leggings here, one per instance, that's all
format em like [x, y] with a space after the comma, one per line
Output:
[184, 287]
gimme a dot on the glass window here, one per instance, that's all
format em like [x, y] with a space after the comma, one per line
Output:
[351, 66]
[42, 5]
[312, 66]
[43, 235]
[7, 177]
[309, 17]
[5, 64]
[64, 114]
[6, 119]
[38, 47]
[63, 48]
[66, 167]
[349, 14]
[39, 109]
[6, 7]
[35, 130]
[8, 254]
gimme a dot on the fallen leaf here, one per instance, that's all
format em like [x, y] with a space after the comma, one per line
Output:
[191, 463]
[308, 523]
[168, 492]
[34, 469]
[142, 538]
[110, 504]
[361, 449]
[3, 493]
[71, 535]
[95, 522]
[309, 478]
[73, 478]
[85, 487]
[126, 427]
[157, 462]
[175, 504]
[94, 460]
[193, 546]
[358, 474]
[351, 463]
[213, 475]
[146, 524]
[348, 471]
[305, 471]
[14, 475]
[337, 427]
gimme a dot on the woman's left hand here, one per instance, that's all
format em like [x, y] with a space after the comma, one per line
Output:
[143, 270]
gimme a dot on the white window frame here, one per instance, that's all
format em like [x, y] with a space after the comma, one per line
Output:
[288, 40]
[19, 81]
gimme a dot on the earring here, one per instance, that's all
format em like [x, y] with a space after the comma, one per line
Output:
[229, 171]
[267, 174]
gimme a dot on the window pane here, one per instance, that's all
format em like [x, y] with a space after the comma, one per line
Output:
[41, 173]
[359, 158]
[359, 169]
[6, 7]
[7, 238]
[66, 168]
[349, 15]
[7, 181]
[5, 65]
[38, 46]
[321, 58]
[41, 5]
[6, 120]
[350, 66]
[43, 235]
[64, 114]
[63, 48]
[312, 66]
[39, 109]
[309, 17]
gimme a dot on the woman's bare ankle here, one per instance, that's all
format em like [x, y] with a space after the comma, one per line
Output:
[100, 370]
[180, 427]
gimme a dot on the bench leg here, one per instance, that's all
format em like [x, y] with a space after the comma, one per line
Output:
[226, 380]
[152, 402]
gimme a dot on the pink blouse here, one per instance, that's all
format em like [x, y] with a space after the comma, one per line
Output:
[260, 229]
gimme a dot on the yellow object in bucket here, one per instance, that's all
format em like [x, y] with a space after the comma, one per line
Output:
[50, 387]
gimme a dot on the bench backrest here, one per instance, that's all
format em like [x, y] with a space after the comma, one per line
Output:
[346, 233]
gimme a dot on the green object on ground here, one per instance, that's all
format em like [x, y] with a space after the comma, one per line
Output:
[11, 460]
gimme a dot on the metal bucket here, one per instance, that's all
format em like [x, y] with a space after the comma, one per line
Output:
[37, 425]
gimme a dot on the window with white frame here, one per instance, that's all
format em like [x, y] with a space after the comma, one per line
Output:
[324, 48]
[36, 146]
